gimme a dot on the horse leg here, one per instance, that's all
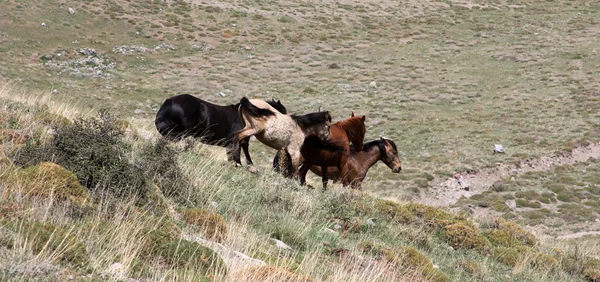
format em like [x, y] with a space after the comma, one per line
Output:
[324, 177]
[302, 173]
[345, 176]
[244, 144]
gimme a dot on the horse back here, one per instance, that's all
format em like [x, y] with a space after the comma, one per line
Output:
[191, 116]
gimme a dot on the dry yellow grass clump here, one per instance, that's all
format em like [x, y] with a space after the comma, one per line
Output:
[211, 224]
[46, 180]
[466, 236]
[509, 234]
[269, 274]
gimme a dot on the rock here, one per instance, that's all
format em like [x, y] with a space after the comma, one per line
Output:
[370, 221]
[54, 91]
[337, 226]
[202, 47]
[138, 111]
[333, 66]
[71, 11]
[44, 24]
[436, 266]
[330, 231]
[250, 56]
[87, 51]
[214, 204]
[463, 183]
[512, 204]
[373, 84]
[222, 94]
[498, 149]
[281, 244]
[115, 270]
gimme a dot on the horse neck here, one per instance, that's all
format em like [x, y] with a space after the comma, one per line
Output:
[353, 130]
[368, 158]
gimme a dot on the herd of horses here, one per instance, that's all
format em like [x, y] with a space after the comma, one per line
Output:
[306, 142]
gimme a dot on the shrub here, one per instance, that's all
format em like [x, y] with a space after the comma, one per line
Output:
[509, 234]
[45, 237]
[394, 211]
[93, 150]
[592, 275]
[463, 236]
[47, 180]
[412, 259]
[269, 273]
[159, 164]
[508, 256]
[212, 225]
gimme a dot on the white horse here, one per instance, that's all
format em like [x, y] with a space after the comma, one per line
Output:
[280, 131]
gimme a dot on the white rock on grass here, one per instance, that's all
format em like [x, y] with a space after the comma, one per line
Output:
[373, 84]
[498, 148]
[71, 11]
[280, 244]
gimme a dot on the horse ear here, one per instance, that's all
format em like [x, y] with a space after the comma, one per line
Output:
[352, 114]
[279, 102]
[363, 118]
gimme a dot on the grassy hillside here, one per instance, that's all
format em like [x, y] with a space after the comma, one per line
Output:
[87, 198]
[446, 80]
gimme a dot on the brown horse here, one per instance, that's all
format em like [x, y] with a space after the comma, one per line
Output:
[384, 150]
[280, 131]
[335, 151]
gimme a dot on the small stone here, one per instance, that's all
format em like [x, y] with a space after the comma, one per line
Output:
[115, 269]
[597, 220]
[512, 204]
[498, 149]
[337, 226]
[373, 84]
[280, 244]
[138, 111]
[54, 91]
[71, 277]
[71, 11]
[370, 221]
[436, 266]
[43, 24]
[222, 94]
[330, 231]
[463, 183]
[333, 66]
[250, 56]
[214, 204]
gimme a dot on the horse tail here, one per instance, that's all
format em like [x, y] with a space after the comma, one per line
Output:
[253, 110]
[165, 124]
[317, 143]
[282, 163]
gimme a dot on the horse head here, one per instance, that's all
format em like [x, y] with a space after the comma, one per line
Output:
[278, 106]
[389, 155]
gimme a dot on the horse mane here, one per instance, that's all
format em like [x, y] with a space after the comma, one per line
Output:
[355, 129]
[308, 120]
[380, 144]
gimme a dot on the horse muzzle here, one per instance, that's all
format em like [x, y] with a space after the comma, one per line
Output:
[397, 169]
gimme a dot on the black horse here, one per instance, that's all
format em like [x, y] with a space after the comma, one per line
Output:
[185, 115]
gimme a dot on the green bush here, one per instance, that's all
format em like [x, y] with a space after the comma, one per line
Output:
[93, 150]
[464, 236]
[159, 164]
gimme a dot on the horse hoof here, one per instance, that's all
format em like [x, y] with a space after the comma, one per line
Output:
[252, 169]
[238, 165]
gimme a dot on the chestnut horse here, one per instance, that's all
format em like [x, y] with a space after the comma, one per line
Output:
[359, 163]
[384, 150]
[321, 153]
[280, 131]
[185, 115]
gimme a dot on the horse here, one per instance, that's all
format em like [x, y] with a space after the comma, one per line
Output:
[360, 162]
[185, 115]
[280, 131]
[323, 154]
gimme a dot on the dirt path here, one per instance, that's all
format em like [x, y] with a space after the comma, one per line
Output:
[447, 192]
